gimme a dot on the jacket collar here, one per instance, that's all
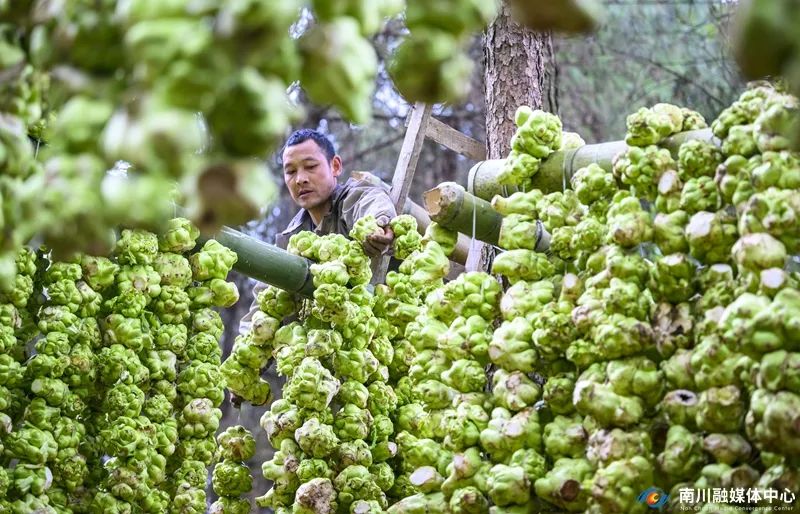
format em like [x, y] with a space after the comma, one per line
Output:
[300, 219]
[304, 218]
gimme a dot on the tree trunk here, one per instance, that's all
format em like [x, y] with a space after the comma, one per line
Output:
[520, 70]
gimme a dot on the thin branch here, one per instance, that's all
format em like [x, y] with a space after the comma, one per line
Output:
[666, 69]
[376, 147]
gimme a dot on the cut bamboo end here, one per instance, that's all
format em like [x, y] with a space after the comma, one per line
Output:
[443, 201]
[453, 208]
[432, 201]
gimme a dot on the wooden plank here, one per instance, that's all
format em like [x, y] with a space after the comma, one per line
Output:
[405, 169]
[451, 138]
[409, 154]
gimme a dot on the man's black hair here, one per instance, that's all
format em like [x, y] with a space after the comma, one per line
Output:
[303, 135]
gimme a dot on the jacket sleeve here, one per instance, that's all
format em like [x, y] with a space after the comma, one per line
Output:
[363, 199]
[247, 319]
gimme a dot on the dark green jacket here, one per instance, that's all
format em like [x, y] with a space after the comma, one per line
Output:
[350, 202]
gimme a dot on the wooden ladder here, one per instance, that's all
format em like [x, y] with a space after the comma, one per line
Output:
[420, 125]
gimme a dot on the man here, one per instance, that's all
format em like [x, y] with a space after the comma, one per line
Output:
[311, 169]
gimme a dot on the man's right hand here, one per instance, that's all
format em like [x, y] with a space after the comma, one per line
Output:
[378, 242]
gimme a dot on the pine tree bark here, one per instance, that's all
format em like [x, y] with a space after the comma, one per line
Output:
[520, 70]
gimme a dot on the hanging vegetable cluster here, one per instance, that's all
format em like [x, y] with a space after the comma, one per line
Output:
[115, 406]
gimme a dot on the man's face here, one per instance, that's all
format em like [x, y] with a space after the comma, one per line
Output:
[309, 175]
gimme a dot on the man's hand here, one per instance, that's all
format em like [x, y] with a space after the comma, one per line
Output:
[378, 242]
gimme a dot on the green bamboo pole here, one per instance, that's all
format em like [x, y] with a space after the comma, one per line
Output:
[452, 207]
[267, 263]
[556, 171]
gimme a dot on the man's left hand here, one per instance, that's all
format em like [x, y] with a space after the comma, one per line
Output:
[378, 242]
